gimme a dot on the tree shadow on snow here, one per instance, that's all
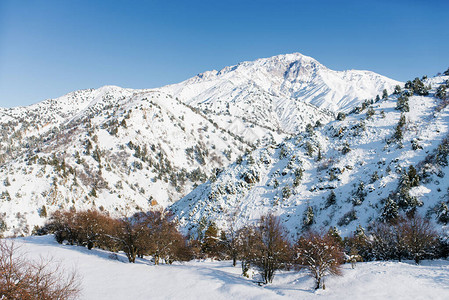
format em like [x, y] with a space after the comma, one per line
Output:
[48, 240]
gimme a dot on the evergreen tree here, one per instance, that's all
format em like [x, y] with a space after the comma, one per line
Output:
[341, 116]
[319, 157]
[398, 134]
[210, 243]
[286, 192]
[309, 149]
[441, 92]
[308, 217]
[309, 129]
[359, 194]
[43, 212]
[402, 103]
[370, 112]
[390, 210]
[298, 177]
[331, 199]
[397, 90]
[405, 200]
[413, 176]
[419, 88]
[384, 94]
[443, 213]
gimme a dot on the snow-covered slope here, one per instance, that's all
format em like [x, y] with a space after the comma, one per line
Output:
[275, 92]
[361, 159]
[124, 150]
[104, 277]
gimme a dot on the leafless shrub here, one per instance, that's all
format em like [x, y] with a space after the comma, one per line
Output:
[267, 246]
[320, 254]
[24, 279]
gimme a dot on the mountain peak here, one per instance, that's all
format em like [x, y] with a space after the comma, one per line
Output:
[293, 76]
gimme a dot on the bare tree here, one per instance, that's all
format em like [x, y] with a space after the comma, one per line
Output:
[320, 254]
[165, 241]
[86, 228]
[62, 225]
[420, 237]
[271, 248]
[246, 238]
[91, 228]
[230, 239]
[131, 235]
[21, 278]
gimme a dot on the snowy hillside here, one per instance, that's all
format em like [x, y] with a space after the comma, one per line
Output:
[107, 276]
[124, 150]
[347, 173]
[276, 92]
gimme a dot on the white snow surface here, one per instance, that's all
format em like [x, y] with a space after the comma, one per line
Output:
[45, 160]
[264, 180]
[276, 91]
[177, 149]
[104, 277]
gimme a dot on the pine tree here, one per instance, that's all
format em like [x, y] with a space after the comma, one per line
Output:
[390, 210]
[319, 157]
[308, 217]
[413, 176]
[359, 194]
[43, 212]
[419, 88]
[397, 90]
[309, 129]
[210, 243]
[309, 149]
[443, 213]
[441, 92]
[341, 116]
[331, 199]
[369, 113]
[286, 192]
[398, 134]
[402, 103]
[405, 200]
[384, 94]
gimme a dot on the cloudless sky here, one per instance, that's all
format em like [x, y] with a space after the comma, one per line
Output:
[51, 47]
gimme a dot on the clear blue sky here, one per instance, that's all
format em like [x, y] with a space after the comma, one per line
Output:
[52, 47]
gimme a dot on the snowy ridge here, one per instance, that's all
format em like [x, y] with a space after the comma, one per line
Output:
[357, 158]
[275, 91]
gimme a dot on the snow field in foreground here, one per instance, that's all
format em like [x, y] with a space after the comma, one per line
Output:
[108, 276]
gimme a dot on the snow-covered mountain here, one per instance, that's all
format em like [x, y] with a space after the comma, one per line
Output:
[115, 149]
[276, 92]
[347, 173]
[122, 149]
